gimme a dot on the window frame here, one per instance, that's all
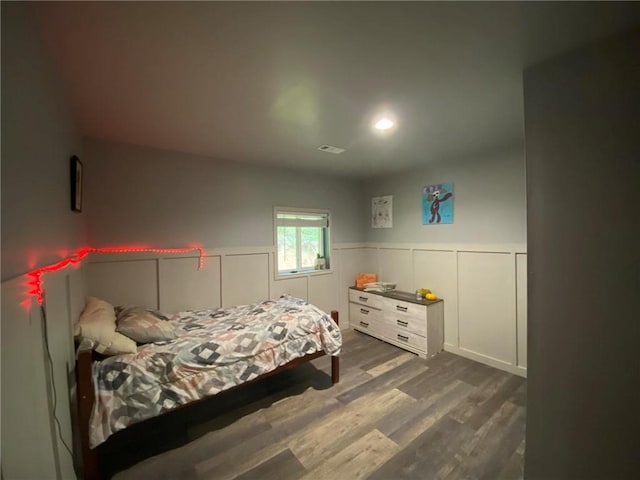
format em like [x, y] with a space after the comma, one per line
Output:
[327, 239]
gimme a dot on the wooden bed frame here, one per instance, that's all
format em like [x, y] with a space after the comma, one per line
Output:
[86, 396]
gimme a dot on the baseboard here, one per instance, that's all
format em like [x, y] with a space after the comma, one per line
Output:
[492, 362]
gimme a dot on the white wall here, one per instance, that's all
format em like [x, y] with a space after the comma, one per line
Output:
[38, 138]
[484, 292]
[582, 124]
[475, 264]
[144, 195]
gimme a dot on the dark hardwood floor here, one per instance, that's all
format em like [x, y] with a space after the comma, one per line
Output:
[392, 416]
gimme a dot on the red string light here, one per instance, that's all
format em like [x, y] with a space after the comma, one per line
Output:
[35, 276]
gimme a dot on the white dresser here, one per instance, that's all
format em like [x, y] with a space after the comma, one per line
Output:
[398, 318]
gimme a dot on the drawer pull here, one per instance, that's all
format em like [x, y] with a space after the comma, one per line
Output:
[364, 324]
[364, 311]
[401, 308]
[402, 323]
[404, 338]
[363, 299]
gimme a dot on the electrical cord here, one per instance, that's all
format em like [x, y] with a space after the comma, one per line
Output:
[53, 383]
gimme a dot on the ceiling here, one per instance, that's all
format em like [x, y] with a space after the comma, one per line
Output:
[268, 83]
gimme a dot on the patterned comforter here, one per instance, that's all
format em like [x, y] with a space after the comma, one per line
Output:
[215, 350]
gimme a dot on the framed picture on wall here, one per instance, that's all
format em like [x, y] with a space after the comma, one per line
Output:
[382, 212]
[437, 204]
[75, 177]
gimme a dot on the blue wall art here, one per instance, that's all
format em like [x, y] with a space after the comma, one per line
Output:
[437, 204]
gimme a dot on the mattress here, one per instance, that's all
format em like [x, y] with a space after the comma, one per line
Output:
[214, 350]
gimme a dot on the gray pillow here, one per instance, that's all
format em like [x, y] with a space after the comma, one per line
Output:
[144, 325]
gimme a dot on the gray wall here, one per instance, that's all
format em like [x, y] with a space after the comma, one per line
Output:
[38, 137]
[38, 228]
[582, 124]
[140, 195]
[489, 201]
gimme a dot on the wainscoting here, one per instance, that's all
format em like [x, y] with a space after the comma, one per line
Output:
[484, 290]
[483, 286]
[228, 277]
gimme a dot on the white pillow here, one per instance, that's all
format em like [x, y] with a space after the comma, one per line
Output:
[98, 323]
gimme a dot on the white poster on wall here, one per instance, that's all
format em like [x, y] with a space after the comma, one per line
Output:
[382, 212]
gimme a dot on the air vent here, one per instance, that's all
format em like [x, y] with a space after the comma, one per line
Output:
[330, 149]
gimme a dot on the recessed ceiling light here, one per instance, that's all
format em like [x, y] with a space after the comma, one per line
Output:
[384, 124]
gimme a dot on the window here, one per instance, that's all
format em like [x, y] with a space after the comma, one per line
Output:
[302, 240]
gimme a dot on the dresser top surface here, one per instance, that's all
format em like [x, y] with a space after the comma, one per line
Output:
[401, 295]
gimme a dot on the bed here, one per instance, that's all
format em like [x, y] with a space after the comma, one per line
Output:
[209, 352]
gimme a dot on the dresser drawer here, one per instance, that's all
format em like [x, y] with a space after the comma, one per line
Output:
[402, 322]
[410, 339]
[391, 305]
[365, 298]
[365, 318]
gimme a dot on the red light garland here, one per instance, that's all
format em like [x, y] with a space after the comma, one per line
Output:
[35, 282]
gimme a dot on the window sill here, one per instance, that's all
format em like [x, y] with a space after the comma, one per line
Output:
[303, 273]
